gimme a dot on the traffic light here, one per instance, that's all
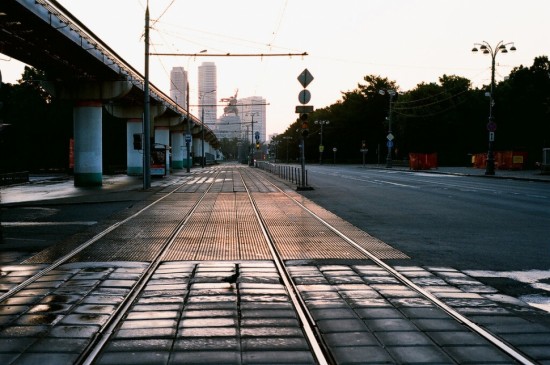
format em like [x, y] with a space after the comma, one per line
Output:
[305, 126]
[257, 145]
[137, 141]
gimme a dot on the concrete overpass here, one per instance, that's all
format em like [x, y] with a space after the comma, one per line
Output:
[82, 68]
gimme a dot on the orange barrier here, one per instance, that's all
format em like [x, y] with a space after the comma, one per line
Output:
[422, 161]
[504, 160]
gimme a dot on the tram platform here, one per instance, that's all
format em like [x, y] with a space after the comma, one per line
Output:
[213, 303]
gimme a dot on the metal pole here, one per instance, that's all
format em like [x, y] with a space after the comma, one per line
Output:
[490, 168]
[303, 162]
[252, 143]
[389, 157]
[202, 125]
[321, 146]
[187, 142]
[146, 111]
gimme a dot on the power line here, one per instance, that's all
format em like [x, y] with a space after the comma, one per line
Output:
[230, 54]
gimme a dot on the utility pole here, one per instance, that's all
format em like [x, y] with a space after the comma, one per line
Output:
[146, 111]
[188, 136]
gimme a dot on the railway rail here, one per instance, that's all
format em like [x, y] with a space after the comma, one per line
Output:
[209, 266]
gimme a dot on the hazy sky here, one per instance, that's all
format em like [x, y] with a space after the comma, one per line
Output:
[409, 41]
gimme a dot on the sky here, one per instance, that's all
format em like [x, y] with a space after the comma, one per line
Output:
[408, 41]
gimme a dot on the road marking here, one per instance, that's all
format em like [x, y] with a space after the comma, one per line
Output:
[37, 224]
[535, 278]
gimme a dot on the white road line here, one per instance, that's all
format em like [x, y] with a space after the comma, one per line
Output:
[37, 224]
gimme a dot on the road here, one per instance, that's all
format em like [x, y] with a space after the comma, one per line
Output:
[437, 219]
[494, 229]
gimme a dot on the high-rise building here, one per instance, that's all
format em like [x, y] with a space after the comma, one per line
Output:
[207, 93]
[252, 111]
[178, 86]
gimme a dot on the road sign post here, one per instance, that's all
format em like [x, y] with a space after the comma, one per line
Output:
[304, 97]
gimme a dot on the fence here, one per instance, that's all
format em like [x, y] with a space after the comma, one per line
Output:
[422, 161]
[504, 160]
[286, 172]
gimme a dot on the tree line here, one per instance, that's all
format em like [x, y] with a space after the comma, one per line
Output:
[449, 118]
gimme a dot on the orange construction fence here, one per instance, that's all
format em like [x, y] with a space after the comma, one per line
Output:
[422, 161]
[504, 160]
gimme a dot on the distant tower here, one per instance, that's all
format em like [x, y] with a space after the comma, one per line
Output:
[178, 86]
[253, 108]
[207, 92]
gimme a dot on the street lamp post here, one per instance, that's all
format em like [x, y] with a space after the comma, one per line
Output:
[491, 126]
[251, 162]
[321, 147]
[391, 93]
[188, 136]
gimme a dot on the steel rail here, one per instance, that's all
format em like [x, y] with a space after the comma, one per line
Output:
[321, 353]
[492, 338]
[78, 249]
[93, 349]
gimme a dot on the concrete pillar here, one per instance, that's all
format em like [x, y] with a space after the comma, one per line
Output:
[134, 158]
[187, 162]
[162, 137]
[178, 150]
[197, 150]
[88, 164]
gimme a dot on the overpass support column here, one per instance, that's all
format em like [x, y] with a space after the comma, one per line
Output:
[88, 157]
[197, 150]
[162, 137]
[134, 158]
[178, 149]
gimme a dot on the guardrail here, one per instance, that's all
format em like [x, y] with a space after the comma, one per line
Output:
[11, 178]
[286, 172]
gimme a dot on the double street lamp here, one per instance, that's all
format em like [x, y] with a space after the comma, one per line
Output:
[486, 48]
[321, 147]
[391, 93]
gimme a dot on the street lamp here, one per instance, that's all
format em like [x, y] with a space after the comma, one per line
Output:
[491, 126]
[202, 124]
[321, 147]
[391, 93]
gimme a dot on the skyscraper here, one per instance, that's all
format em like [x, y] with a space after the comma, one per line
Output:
[207, 93]
[178, 86]
[251, 109]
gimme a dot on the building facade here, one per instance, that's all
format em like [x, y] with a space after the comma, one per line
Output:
[178, 86]
[252, 111]
[207, 94]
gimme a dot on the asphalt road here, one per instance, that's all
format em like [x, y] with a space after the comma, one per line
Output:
[469, 223]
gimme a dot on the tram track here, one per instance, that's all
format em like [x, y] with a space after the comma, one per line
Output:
[255, 186]
[493, 339]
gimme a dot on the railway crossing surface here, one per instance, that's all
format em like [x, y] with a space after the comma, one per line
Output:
[230, 265]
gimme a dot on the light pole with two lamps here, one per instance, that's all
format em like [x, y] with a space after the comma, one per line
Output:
[391, 93]
[321, 147]
[491, 126]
